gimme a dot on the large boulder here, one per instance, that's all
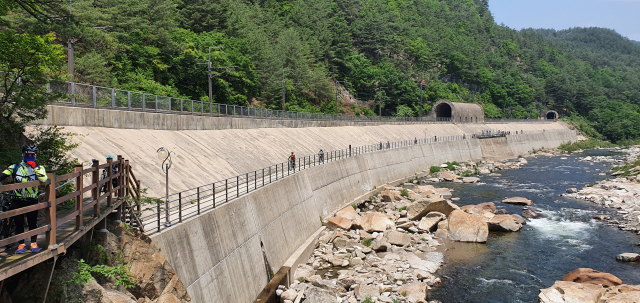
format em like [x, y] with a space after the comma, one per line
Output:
[420, 209]
[398, 238]
[448, 176]
[471, 180]
[431, 220]
[488, 206]
[425, 190]
[472, 209]
[621, 294]
[445, 193]
[348, 212]
[518, 201]
[334, 223]
[628, 257]
[416, 291]
[504, 223]
[590, 276]
[318, 295]
[465, 227]
[366, 291]
[571, 292]
[374, 222]
[390, 196]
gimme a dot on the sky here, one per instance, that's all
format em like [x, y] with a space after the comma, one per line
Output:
[623, 16]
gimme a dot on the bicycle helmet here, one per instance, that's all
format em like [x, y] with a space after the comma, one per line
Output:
[30, 148]
[109, 157]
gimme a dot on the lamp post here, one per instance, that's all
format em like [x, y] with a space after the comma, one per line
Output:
[165, 155]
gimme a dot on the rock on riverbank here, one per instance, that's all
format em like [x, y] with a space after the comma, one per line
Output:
[588, 285]
[385, 248]
[622, 192]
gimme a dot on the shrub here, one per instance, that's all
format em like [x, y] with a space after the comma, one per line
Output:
[404, 192]
[367, 242]
[434, 169]
[586, 144]
[120, 274]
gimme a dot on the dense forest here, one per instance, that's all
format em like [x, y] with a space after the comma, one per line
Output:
[374, 49]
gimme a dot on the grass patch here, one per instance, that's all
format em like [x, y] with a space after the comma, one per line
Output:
[410, 181]
[404, 293]
[404, 192]
[366, 242]
[367, 300]
[402, 208]
[586, 144]
[434, 169]
[354, 206]
[625, 169]
[452, 165]
[467, 173]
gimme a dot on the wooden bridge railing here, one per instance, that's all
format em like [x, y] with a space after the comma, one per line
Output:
[101, 189]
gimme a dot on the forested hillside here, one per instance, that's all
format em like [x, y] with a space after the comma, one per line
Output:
[453, 47]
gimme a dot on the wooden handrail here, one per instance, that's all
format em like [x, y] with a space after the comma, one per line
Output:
[23, 210]
[15, 186]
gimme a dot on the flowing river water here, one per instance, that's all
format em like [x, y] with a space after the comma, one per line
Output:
[513, 267]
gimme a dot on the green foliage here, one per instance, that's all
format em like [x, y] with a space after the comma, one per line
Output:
[402, 208]
[355, 206]
[119, 274]
[585, 144]
[404, 192]
[366, 242]
[467, 173]
[453, 48]
[367, 300]
[452, 165]
[434, 169]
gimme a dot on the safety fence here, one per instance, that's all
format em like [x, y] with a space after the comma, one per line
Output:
[84, 95]
[115, 186]
[493, 120]
[192, 202]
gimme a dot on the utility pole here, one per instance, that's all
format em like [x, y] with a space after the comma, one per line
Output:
[70, 50]
[380, 105]
[336, 83]
[209, 68]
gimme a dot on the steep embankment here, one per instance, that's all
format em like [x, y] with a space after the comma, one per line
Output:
[205, 156]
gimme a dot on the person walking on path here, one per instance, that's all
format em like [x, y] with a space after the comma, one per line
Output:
[292, 162]
[23, 172]
[321, 156]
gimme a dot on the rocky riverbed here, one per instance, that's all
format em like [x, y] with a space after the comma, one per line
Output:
[622, 192]
[384, 249]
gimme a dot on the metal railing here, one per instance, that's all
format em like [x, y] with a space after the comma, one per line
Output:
[192, 202]
[499, 120]
[85, 95]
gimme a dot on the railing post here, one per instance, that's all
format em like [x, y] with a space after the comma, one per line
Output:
[211, 109]
[180, 207]
[109, 183]
[156, 103]
[94, 96]
[349, 150]
[263, 177]
[50, 214]
[237, 181]
[213, 195]
[113, 98]
[255, 180]
[247, 181]
[73, 94]
[95, 177]
[276, 173]
[226, 189]
[144, 101]
[198, 191]
[139, 203]
[79, 187]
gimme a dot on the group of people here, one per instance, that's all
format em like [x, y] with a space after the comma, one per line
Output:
[25, 171]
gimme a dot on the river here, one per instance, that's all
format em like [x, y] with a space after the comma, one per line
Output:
[513, 267]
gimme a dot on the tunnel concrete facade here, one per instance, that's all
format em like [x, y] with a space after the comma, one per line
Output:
[458, 112]
[550, 115]
[219, 254]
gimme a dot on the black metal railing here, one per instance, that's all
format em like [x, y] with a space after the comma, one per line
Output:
[192, 202]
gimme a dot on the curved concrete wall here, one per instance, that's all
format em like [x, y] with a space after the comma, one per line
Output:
[206, 156]
[218, 255]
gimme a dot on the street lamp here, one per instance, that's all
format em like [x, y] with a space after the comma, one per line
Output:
[165, 155]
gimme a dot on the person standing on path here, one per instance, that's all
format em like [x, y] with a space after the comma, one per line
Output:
[23, 172]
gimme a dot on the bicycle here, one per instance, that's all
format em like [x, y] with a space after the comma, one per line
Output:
[7, 225]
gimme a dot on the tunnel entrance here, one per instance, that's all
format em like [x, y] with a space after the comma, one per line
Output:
[551, 115]
[443, 110]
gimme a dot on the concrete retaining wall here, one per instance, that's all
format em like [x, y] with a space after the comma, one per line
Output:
[123, 119]
[218, 255]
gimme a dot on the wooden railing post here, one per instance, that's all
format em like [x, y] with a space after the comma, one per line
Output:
[95, 193]
[213, 195]
[79, 187]
[50, 214]
[109, 183]
[139, 200]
